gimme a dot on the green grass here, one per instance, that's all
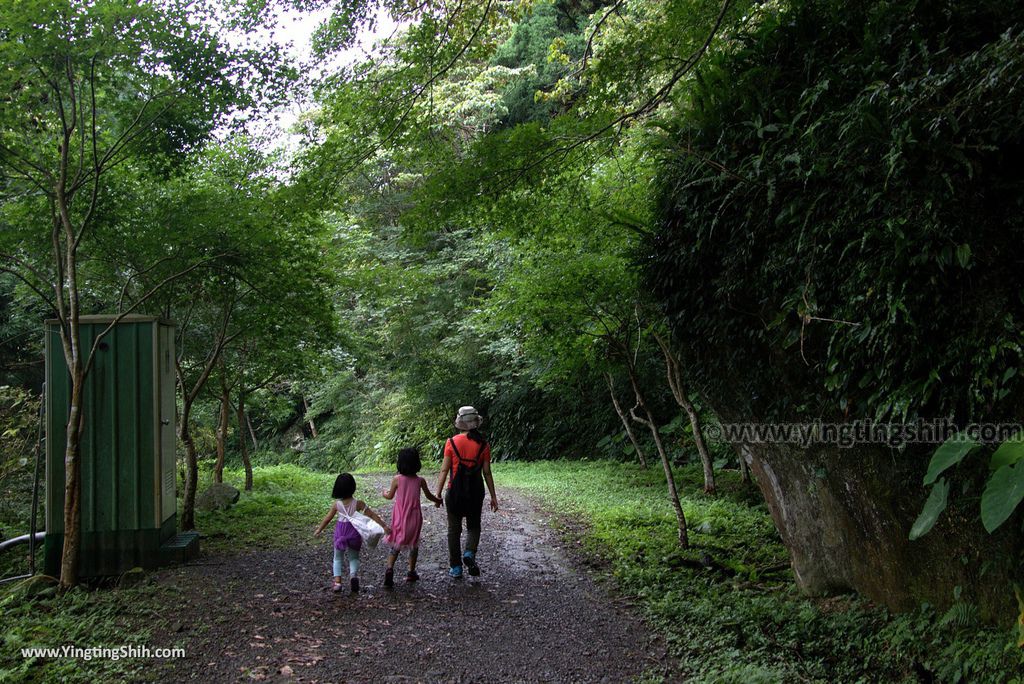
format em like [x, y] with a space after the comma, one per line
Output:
[108, 618]
[748, 624]
[285, 504]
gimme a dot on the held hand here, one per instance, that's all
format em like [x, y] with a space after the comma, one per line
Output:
[387, 530]
[494, 505]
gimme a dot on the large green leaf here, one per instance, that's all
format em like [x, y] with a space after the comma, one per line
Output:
[933, 507]
[949, 454]
[1004, 491]
[1008, 453]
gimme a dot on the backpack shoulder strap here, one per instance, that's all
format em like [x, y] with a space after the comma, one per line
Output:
[458, 456]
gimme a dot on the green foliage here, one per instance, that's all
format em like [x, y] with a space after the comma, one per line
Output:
[104, 618]
[949, 454]
[1004, 488]
[933, 508]
[286, 503]
[752, 625]
[531, 43]
[1003, 493]
[19, 432]
[839, 182]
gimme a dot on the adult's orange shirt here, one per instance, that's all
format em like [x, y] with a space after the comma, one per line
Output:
[470, 451]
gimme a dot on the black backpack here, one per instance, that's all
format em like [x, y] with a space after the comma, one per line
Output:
[467, 490]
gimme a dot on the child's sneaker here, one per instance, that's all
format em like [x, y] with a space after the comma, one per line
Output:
[389, 577]
[469, 559]
[336, 588]
[411, 576]
[355, 585]
[455, 571]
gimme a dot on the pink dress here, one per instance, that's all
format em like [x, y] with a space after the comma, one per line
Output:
[406, 516]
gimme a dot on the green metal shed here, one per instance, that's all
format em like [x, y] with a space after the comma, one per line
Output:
[127, 447]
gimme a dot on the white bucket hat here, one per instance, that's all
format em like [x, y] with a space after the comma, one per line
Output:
[468, 418]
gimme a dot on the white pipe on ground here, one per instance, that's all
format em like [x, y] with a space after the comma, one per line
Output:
[23, 539]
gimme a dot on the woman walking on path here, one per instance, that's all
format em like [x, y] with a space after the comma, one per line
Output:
[467, 456]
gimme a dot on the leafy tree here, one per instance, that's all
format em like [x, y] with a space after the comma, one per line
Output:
[262, 291]
[86, 88]
[836, 238]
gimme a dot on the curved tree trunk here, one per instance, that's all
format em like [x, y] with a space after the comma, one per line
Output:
[222, 428]
[252, 432]
[242, 444]
[675, 383]
[188, 504]
[309, 418]
[625, 420]
[743, 452]
[647, 419]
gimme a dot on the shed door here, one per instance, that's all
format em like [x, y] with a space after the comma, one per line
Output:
[168, 442]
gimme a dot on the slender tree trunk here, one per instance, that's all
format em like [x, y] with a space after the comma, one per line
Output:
[76, 366]
[312, 425]
[252, 433]
[744, 468]
[188, 504]
[625, 420]
[648, 419]
[675, 383]
[242, 419]
[702, 448]
[222, 428]
[72, 481]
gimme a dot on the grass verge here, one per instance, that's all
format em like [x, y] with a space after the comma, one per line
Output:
[742, 620]
[285, 504]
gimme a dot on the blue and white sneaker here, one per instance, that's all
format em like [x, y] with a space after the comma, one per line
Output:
[455, 571]
[469, 558]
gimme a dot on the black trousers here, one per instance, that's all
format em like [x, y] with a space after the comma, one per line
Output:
[469, 511]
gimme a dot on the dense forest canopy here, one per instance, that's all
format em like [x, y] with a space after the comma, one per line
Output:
[606, 224]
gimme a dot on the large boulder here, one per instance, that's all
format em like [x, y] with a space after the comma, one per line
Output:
[219, 497]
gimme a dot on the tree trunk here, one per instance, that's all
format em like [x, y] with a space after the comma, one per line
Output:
[312, 425]
[72, 481]
[742, 451]
[188, 504]
[675, 383]
[252, 433]
[625, 420]
[648, 419]
[222, 429]
[72, 344]
[242, 419]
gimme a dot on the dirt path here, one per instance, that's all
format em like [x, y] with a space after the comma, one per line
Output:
[532, 616]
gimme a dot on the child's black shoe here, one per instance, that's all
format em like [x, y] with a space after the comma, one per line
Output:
[355, 585]
[411, 576]
[389, 577]
[469, 560]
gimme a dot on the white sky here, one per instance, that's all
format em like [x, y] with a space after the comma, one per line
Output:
[296, 29]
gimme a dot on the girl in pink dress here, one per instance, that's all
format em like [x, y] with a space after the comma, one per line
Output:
[406, 517]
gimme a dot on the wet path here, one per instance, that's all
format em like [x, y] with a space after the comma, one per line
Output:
[532, 616]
